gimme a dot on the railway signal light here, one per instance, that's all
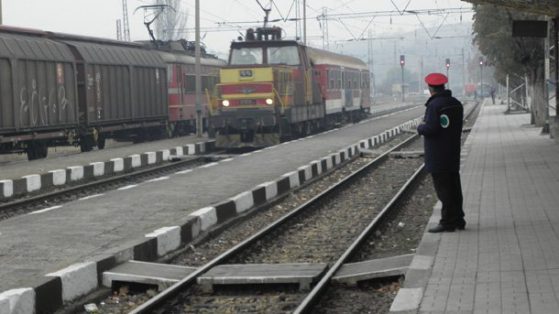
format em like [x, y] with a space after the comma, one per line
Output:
[402, 60]
[480, 61]
[447, 63]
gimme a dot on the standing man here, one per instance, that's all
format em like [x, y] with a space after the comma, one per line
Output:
[442, 132]
[493, 94]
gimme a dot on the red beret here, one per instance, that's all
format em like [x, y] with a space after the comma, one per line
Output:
[436, 79]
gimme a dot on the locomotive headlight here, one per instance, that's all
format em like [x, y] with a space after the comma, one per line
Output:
[269, 101]
[225, 103]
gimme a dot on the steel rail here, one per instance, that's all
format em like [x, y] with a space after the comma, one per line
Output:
[306, 305]
[313, 296]
[186, 282]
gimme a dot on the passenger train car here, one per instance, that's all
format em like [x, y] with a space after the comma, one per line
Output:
[274, 89]
[178, 55]
[59, 89]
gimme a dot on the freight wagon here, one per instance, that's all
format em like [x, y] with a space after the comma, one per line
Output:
[60, 89]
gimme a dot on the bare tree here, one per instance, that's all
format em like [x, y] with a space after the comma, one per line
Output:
[171, 23]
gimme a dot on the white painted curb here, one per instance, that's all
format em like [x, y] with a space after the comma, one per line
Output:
[307, 170]
[58, 176]
[118, 164]
[168, 239]
[179, 151]
[135, 160]
[151, 157]
[271, 188]
[77, 280]
[243, 201]
[98, 169]
[207, 216]
[191, 149]
[17, 301]
[7, 188]
[33, 182]
[293, 179]
[76, 173]
[165, 154]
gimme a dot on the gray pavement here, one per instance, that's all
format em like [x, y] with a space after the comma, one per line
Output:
[507, 259]
[33, 245]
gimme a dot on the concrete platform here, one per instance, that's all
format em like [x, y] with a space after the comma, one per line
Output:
[507, 259]
[60, 254]
[302, 274]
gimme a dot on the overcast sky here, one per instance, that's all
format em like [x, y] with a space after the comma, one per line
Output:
[98, 17]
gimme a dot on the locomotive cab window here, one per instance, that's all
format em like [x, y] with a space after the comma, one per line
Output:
[242, 56]
[283, 55]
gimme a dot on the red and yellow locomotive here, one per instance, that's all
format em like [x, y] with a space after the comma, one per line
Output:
[274, 89]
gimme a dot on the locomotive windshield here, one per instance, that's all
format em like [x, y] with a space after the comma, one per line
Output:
[242, 56]
[287, 55]
[283, 55]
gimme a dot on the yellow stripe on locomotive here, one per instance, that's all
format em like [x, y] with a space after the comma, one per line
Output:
[263, 88]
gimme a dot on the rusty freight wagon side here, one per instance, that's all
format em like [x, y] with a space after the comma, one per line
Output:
[122, 90]
[38, 105]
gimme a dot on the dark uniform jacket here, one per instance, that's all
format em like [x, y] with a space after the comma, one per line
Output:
[442, 131]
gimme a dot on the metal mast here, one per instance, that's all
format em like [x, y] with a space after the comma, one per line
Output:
[125, 22]
[119, 29]
[324, 20]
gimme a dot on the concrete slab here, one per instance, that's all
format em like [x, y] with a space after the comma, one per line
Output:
[161, 275]
[352, 273]
[302, 274]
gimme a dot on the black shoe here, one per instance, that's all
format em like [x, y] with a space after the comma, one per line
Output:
[442, 228]
[461, 225]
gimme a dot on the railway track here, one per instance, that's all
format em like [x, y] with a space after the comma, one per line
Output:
[331, 225]
[206, 253]
[73, 192]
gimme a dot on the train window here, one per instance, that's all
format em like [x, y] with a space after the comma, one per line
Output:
[240, 56]
[338, 81]
[189, 83]
[283, 55]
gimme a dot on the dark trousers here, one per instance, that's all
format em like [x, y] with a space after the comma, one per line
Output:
[449, 192]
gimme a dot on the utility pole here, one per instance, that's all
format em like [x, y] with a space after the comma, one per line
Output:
[447, 64]
[1, 12]
[297, 23]
[370, 59]
[325, 43]
[197, 69]
[305, 22]
[547, 75]
[463, 73]
[420, 78]
[481, 78]
[118, 29]
[402, 64]
[556, 55]
[125, 22]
